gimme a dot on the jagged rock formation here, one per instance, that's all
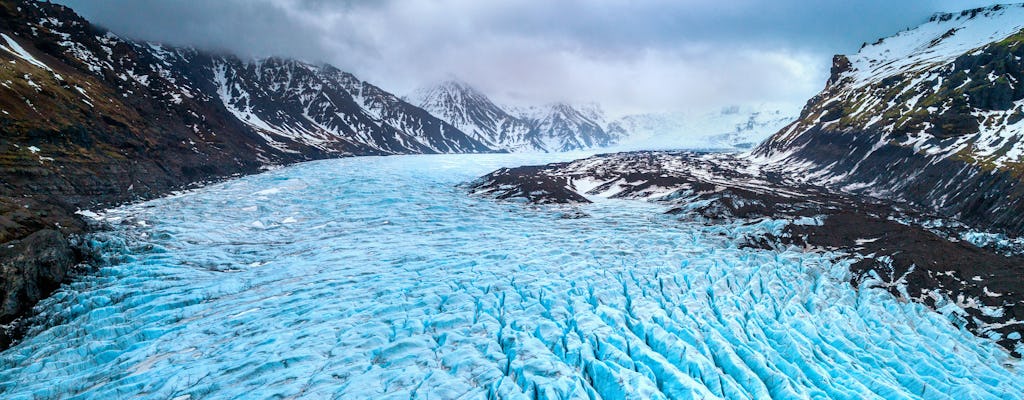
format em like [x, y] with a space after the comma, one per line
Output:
[563, 127]
[931, 116]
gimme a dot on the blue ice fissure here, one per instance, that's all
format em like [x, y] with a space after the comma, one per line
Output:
[378, 276]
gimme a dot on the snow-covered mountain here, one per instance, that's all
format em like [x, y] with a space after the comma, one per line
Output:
[472, 112]
[732, 127]
[564, 127]
[558, 127]
[551, 128]
[289, 101]
[932, 115]
[281, 106]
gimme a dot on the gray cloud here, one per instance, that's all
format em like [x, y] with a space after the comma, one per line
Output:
[629, 55]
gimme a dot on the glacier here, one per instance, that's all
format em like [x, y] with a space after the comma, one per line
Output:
[380, 277]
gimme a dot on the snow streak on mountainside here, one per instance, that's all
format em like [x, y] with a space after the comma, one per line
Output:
[552, 128]
[733, 127]
[932, 115]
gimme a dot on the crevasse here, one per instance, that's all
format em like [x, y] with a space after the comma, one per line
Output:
[379, 278]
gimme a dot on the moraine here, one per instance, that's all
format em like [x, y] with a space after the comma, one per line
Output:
[369, 277]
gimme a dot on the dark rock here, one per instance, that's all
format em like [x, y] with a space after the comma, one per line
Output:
[923, 262]
[529, 184]
[840, 64]
[30, 269]
[865, 151]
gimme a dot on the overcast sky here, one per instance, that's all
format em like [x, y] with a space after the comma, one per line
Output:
[630, 56]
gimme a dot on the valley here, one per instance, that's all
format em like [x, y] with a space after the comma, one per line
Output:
[185, 222]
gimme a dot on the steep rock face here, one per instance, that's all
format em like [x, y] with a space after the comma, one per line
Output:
[76, 99]
[90, 119]
[293, 104]
[931, 116]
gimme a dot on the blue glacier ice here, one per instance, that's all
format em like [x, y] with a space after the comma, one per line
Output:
[379, 278]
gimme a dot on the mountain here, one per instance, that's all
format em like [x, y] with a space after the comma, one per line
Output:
[732, 127]
[932, 116]
[471, 111]
[293, 104]
[91, 119]
[79, 102]
[563, 127]
[551, 128]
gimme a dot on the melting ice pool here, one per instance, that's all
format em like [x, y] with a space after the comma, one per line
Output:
[378, 278]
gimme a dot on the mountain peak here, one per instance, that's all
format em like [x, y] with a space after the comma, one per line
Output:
[450, 91]
[556, 126]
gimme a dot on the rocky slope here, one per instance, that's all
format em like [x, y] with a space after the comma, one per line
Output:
[932, 116]
[554, 127]
[92, 119]
[563, 127]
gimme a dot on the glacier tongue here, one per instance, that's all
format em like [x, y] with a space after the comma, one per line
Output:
[369, 277]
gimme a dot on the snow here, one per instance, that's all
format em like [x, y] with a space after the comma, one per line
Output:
[378, 277]
[231, 93]
[14, 48]
[914, 58]
[924, 47]
[730, 127]
[88, 214]
[555, 127]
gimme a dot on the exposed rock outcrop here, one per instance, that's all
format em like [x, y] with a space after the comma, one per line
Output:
[30, 269]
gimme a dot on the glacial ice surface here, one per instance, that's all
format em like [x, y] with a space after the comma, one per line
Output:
[379, 278]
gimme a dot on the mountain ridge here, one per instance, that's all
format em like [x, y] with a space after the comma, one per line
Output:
[553, 127]
[931, 116]
[470, 110]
